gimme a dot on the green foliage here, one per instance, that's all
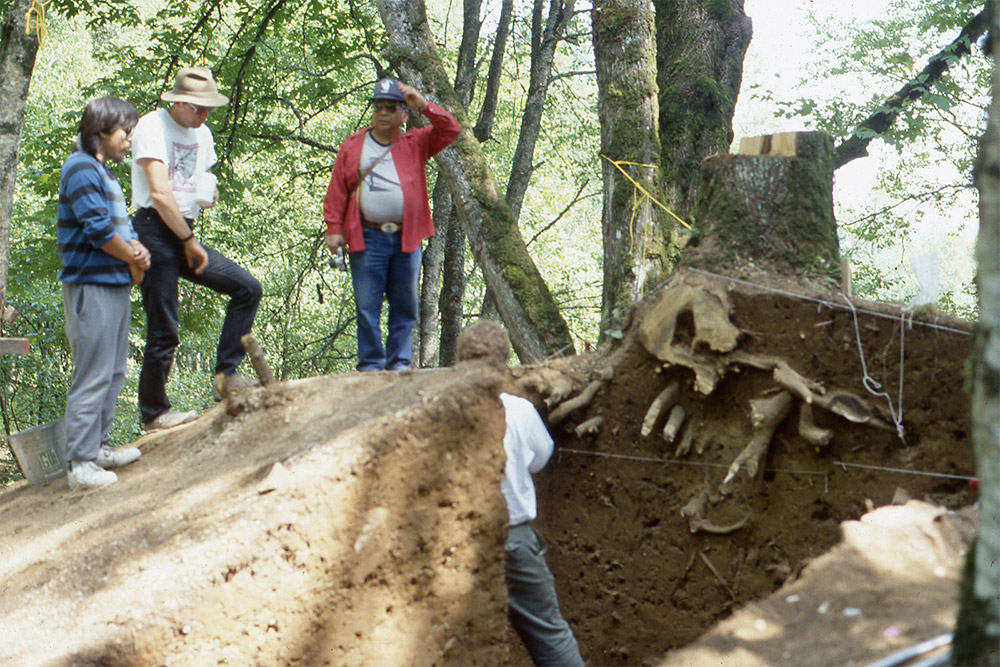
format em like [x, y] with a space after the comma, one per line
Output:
[931, 144]
[299, 75]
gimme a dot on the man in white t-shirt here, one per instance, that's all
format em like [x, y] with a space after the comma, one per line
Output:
[532, 604]
[172, 154]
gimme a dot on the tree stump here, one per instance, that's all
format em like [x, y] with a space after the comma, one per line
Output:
[770, 207]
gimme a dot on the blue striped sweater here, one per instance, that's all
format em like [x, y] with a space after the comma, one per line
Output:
[91, 210]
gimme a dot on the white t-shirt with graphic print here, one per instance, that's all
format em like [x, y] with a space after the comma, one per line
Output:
[380, 196]
[187, 152]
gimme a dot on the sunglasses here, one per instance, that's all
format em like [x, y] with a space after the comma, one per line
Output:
[198, 109]
[387, 106]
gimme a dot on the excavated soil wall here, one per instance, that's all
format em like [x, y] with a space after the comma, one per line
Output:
[357, 520]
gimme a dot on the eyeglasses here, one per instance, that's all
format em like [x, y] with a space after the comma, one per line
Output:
[386, 106]
[198, 109]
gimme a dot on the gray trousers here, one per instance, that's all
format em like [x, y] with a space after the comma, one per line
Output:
[532, 604]
[97, 326]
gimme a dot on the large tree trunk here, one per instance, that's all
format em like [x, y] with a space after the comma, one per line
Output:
[537, 329]
[625, 54]
[700, 51]
[770, 207]
[977, 635]
[17, 61]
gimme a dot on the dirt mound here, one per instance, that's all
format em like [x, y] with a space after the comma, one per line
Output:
[357, 519]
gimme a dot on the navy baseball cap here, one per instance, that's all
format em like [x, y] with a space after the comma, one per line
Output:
[388, 89]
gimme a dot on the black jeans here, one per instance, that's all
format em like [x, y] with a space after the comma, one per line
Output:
[159, 298]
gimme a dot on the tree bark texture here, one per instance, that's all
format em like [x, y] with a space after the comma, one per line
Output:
[700, 51]
[977, 635]
[634, 242]
[452, 293]
[536, 328]
[432, 267]
[444, 217]
[543, 47]
[17, 61]
[484, 123]
[771, 209]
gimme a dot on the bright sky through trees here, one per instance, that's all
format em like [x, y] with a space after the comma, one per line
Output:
[783, 45]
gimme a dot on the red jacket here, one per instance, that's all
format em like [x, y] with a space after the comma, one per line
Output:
[410, 152]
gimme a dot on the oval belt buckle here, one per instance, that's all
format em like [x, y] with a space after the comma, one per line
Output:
[390, 227]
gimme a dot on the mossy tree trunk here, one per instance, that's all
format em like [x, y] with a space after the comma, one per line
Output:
[536, 327]
[769, 207]
[977, 634]
[546, 33]
[625, 55]
[17, 61]
[700, 49]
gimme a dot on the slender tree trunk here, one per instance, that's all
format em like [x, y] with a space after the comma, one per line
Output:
[431, 271]
[625, 54]
[17, 61]
[534, 323]
[452, 292]
[977, 635]
[543, 49]
[700, 51]
[444, 216]
[545, 38]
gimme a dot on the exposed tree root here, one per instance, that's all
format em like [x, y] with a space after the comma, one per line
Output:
[684, 448]
[765, 415]
[819, 437]
[722, 580]
[694, 512]
[662, 402]
[674, 423]
[589, 427]
[582, 400]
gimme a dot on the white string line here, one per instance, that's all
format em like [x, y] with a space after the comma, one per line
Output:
[700, 464]
[871, 384]
[829, 304]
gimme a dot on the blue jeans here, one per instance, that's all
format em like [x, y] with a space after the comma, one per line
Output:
[382, 271]
[159, 298]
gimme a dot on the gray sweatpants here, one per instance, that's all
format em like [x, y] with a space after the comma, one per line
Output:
[532, 604]
[97, 326]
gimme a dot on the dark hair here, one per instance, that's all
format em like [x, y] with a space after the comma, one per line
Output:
[103, 115]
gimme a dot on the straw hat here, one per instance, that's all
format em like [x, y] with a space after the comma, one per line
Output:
[195, 85]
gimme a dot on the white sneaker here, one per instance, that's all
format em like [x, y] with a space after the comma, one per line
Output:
[169, 419]
[116, 458]
[89, 475]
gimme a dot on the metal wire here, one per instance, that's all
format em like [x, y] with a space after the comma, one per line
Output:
[829, 304]
[843, 464]
[871, 384]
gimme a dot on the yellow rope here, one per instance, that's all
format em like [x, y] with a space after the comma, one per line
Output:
[618, 165]
[34, 19]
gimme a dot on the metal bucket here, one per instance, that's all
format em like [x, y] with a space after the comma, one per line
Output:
[41, 452]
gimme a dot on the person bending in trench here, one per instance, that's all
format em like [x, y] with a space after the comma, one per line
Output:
[532, 604]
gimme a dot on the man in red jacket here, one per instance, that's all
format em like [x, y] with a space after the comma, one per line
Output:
[377, 205]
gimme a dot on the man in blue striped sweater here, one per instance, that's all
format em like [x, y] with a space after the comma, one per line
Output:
[101, 259]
